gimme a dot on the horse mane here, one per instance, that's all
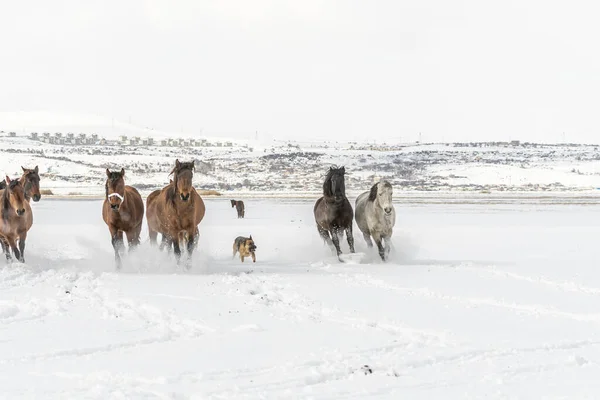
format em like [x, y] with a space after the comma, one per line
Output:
[5, 198]
[373, 193]
[327, 183]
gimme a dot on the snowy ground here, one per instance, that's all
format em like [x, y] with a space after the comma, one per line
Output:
[480, 301]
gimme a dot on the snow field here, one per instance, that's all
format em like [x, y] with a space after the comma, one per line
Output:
[496, 301]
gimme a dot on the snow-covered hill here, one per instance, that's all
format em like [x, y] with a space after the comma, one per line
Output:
[72, 161]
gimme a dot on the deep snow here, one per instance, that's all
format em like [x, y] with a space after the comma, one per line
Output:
[479, 301]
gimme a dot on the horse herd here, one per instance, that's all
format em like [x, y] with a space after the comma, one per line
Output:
[176, 210]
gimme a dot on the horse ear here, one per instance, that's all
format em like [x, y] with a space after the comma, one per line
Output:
[177, 163]
[7, 180]
[122, 171]
[36, 169]
[373, 194]
[193, 164]
[344, 170]
[23, 168]
[107, 172]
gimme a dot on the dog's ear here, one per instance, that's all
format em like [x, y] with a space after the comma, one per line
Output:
[251, 237]
[373, 194]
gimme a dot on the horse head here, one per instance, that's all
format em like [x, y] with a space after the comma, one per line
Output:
[232, 203]
[15, 193]
[381, 194]
[334, 185]
[31, 179]
[183, 173]
[115, 188]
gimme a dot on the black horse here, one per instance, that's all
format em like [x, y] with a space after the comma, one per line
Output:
[333, 212]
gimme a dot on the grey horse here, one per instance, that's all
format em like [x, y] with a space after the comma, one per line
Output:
[376, 216]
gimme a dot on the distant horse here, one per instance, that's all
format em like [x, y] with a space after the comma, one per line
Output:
[16, 219]
[31, 181]
[122, 211]
[239, 206]
[176, 211]
[333, 212]
[376, 216]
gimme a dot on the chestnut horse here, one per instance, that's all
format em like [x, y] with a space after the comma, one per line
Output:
[176, 210]
[31, 182]
[16, 219]
[333, 212]
[123, 212]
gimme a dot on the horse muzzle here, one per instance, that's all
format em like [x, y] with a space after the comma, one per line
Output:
[388, 210]
[184, 197]
[21, 212]
[114, 206]
[36, 197]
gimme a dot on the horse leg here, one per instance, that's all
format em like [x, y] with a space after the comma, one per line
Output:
[350, 238]
[176, 249]
[335, 238]
[165, 242]
[367, 237]
[22, 238]
[325, 235]
[377, 238]
[133, 237]
[13, 245]
[6, 248]
[153, 235]
[117, 242]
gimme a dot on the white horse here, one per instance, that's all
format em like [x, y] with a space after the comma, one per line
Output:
[376, 216]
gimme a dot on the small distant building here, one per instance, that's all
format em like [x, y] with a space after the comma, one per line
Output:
[132, 142]
[164, 142]
[70, 135]
[34, 135]
[12, 134]
[150, 141]
[46, 134]
[95, 136]
[123, 139]
[58, 134]
[515, 142]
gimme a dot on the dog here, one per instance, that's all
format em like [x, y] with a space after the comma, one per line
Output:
[245, 246]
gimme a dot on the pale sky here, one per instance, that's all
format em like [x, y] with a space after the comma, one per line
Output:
[309, 69]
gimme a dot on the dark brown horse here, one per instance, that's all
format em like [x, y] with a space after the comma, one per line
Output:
[31, 182]
[122, 211]
[176, 211]
[16, 219]
[239, 206]
[333, 212]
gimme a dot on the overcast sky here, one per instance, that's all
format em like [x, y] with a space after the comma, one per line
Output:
[453, 70]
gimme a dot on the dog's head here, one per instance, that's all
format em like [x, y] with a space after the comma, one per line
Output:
[249, 244]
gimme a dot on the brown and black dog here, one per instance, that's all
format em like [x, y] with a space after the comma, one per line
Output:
[245, 246]
[239, 206]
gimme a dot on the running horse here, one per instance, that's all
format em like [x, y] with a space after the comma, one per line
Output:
[15, 219]
[31, 179]
[122, 211]
[333, 212]
[175, 211]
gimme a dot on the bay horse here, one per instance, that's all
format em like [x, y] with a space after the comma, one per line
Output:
[239, 206]
[31, 182]
[31, 179]
[122, 211]
[176, 210]
[333, 212]
[376, 216]
[15, 220]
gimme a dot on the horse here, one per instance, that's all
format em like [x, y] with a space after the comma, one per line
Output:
[31, 179]
[239, 206]
[333, 212]
[16, 219]
[176, 210]
[122, 211]
[376, 216]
